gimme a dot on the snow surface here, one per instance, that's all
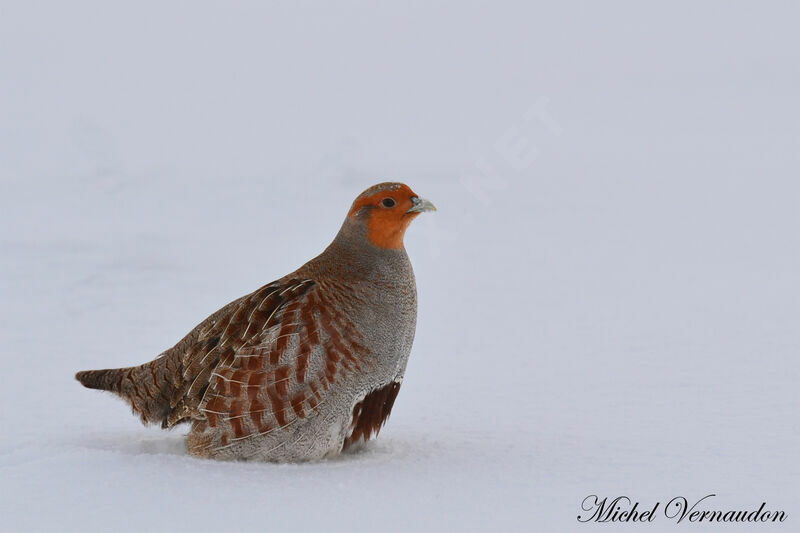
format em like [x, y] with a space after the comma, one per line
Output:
[609, 293]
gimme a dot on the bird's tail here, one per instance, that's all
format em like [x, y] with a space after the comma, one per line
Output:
[146, 387]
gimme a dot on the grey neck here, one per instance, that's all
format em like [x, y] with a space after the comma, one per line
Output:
[352, 255]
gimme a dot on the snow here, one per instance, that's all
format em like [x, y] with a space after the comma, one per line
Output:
[608, 293]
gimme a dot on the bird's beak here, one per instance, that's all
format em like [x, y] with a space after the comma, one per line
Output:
[421, 205]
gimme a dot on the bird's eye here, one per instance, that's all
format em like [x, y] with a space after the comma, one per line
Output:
[388, 202]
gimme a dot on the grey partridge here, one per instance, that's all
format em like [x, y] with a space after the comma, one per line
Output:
[303, 367]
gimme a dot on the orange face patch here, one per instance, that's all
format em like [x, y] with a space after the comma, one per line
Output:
[388, 215]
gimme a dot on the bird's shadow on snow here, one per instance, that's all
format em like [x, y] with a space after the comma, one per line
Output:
[140, 443]
[133, 443]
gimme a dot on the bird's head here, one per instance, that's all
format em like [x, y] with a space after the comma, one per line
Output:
[386, 210]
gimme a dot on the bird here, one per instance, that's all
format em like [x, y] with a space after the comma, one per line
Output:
[303, 368]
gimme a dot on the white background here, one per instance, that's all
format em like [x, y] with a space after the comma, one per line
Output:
[609, 292]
